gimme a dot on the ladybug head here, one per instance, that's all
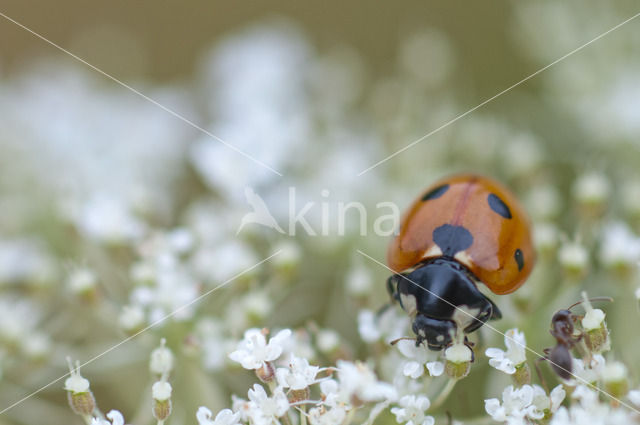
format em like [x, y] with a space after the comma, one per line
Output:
[441, 295]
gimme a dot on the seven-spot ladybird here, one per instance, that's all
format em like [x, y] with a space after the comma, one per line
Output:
[463, 229]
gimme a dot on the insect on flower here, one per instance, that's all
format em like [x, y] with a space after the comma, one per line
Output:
[564, 331]
[463, 230]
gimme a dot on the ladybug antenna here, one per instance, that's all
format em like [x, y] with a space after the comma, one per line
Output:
[404, 338]
[609, 299]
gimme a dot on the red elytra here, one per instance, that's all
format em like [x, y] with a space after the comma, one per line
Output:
[490, 225]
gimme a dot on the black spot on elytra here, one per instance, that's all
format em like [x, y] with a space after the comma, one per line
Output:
[452, 239]
[498, 206]
[519, 258]
[435, 193]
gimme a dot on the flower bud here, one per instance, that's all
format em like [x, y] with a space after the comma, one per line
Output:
[161, 359]
[266, 373]
[596, 335]
[522, 375]
[295, 396]
[591, 192]
[545, 236]
[79, 394]
[83, 282]
[161, 392]
[614, 376]
[131, 319]
[574, 259]
[288, 259]
[458, 362]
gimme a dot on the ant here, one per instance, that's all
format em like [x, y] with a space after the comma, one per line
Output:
[563, 330]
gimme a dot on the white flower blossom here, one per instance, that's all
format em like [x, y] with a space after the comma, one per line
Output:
[587, 373]
[254, 351]
[634, 397]
[412, 410]
[590, 410]
[114, 416]
[76, 383]
[418, 358]
[224, 417]
[507, 361]
[388, 325]
[619, 245]
[322, 416]
[161, 390]
[161, 361]
[299, 375]
[528, 402]
[356, 379]
[264, 410]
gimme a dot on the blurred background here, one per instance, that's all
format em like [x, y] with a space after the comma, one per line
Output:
[115, 211]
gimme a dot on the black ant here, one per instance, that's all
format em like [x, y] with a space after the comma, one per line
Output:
[563, 330]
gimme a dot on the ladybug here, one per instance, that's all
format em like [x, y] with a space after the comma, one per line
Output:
[463, 230]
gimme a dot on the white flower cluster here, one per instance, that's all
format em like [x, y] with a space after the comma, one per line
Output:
[521, 405]
[294, 387]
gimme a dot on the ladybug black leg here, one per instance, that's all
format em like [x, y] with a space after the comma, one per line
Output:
[392, 288]
[382, 309]
[393, 294]
[470, 345]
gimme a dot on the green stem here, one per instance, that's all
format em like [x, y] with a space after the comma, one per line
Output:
[446, 391]
[303, 416]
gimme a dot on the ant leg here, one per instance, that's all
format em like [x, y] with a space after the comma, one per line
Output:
[539, 372]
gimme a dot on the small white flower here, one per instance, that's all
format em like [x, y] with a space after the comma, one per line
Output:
[75, 383]
[619, 246]
[356, 379]
[590, 372]
[253, 351]
[327, 340]
[298, 376]
[515, 407]
[368, 327]
[389, 325]
[513, 357]
[161, 359]
[264, 410]
[419, 357]
[435, 368]
[329, 389]
[634, 397]
[114, 416]
[541, 402]
[614, 372]
[322, 416]
[545, 236]
[359, 280]
[161, 391]
[591, 188]
[81, 280]
[412, 410]
[131, 317]
[590, 410]
[107, 219]
[458, 353]
[224, 417]
[573, 256]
